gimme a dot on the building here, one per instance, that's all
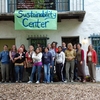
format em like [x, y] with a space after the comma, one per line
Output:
[78, 21]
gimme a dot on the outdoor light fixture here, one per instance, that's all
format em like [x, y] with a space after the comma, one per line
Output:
[84, 41]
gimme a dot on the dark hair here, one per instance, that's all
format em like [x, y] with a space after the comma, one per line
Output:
[6, 45]
[79, 44]
[46, 48]
[63, 42]
[60, 47]
[24, 47]
[54, 42]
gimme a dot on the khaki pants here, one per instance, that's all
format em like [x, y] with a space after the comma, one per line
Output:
[5, 72]
[92, 70]
[70, 70]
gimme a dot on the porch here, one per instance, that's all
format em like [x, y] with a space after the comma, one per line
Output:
[67, 9]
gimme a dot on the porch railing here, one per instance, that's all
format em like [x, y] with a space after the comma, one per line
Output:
[9, 6]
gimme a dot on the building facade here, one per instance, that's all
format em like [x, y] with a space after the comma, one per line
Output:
[78, 21]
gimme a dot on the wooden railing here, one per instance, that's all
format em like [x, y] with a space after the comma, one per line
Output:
[9, 6]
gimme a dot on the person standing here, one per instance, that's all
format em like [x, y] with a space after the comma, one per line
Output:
[64, 46]
[52, 51]
[54, 46]
[47, 64]
[19, 65]
[91, 60]
[75, 66]
[63, 49]
[80, 62]
[70, 55]
[12, 54]
[37, 60]
[29, 60]
[5, 60]
[60, 60]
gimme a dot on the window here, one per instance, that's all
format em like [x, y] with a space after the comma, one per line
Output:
[41, 41]
[3, 6]
[11, 6]
[62, 5]
[96, 45]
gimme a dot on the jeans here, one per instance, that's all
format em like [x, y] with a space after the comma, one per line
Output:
[47, 72]
[19, 72]
[34, 68]
[52, 71]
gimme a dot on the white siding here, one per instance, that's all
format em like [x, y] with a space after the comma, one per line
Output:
[76, 5]
[68, 27]
[3, 6]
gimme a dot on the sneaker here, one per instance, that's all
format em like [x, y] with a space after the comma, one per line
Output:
[20, 81]
[48, 82]
[71, 81]
[65, 81]
[16, 81]
[29, 82]
[94, 81]
[37, 82]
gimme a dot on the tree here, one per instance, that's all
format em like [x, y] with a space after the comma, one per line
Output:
[39, 4]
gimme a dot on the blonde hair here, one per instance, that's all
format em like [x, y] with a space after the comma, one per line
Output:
[70, 46]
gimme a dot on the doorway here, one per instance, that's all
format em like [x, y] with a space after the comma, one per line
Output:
[9, 42]
[73, 40]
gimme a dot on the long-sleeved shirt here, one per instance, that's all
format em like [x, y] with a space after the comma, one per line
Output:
[37, 57]
[4, 57]
[47, 58]
[93, 56]
[52, 51]
[70, 53]
[60, 57]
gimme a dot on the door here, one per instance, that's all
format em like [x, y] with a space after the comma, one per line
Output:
[9, 42]
[73, 40]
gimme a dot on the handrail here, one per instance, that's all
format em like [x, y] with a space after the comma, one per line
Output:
[60, 5]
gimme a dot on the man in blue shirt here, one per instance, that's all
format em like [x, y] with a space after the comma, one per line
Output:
[4, 58]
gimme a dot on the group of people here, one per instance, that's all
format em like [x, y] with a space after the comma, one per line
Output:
[41, 62]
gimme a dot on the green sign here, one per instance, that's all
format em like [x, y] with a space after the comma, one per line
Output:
[35, 19]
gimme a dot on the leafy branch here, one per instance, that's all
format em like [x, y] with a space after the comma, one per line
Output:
[39, 4]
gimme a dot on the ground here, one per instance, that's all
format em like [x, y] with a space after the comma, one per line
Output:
[55, 91]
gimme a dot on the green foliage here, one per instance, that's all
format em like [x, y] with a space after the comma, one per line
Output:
[39, 4]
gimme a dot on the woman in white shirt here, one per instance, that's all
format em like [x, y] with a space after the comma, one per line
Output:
[37, 60]
[60, 60]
